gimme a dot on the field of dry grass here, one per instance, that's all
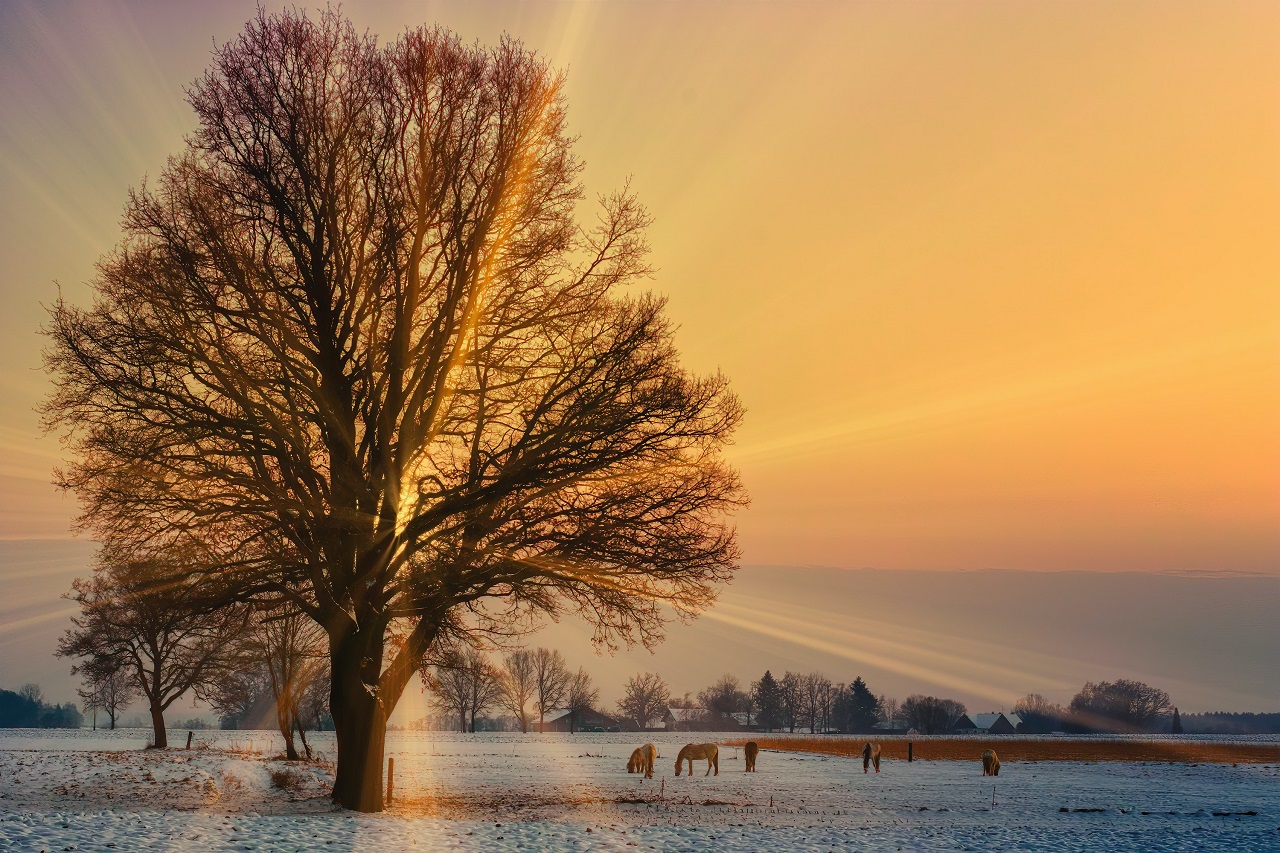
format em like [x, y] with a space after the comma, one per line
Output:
[1014, 748]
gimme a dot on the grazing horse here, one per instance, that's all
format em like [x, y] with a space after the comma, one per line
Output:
[700, 751]
[990, 763]
[871, 755]
[636, 762]
[751, 750]
[648, 753]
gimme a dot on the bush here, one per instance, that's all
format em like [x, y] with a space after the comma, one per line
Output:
[286, 779]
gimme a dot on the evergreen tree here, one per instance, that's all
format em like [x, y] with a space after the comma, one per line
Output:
[1176, 728]
[768, 701]
[864, 707]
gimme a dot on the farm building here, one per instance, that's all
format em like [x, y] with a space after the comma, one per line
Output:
[561, 720]
[988, 724]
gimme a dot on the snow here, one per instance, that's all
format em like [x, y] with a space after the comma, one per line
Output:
[98, 791]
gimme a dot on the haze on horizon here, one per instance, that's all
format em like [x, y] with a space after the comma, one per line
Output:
[996, 281]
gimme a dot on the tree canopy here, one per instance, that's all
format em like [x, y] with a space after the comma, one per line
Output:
[356, 343]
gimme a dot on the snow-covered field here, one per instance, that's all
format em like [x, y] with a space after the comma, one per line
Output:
[99, 790]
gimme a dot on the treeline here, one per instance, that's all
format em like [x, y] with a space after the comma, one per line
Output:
[1225, 723]
[470, 693]
[26, 709]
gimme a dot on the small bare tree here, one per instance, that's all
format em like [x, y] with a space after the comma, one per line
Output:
[815, 700]
[107, 687]
[644, 699]
[466, 685]
[134, 618]
[725, 697]
[580, 697]
[519, 684]
[889, 711]
[791, 699]
[290, 647]
[551, 681]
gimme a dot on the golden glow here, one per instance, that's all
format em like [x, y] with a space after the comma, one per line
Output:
[996, 281]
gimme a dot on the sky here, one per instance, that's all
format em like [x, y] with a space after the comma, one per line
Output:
[996, 281]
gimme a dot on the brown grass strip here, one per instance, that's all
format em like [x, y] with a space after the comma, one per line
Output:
[1014, 748]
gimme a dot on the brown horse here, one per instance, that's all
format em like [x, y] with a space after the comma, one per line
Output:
[751, 750]
[641, 760]
[708, 751]
[990, 763]
[871, 755]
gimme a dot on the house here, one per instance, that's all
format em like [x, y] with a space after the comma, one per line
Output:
[562, 720]
[703, 720]
[988, 724]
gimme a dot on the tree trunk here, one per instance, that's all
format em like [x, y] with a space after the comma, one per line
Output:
[360, 726]
[157, 726]
[302, 733]
[285, 724]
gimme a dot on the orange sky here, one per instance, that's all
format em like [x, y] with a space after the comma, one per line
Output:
[998, 281]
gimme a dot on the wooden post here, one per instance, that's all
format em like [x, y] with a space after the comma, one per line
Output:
[391, 780]
[909, 757]
[189, 739]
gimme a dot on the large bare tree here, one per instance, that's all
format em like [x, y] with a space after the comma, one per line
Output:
[355, 342]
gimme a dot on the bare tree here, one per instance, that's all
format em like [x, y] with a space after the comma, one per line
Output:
[519, 684]
[289, 647]
[551, 681]
[815, 699]
[791, 698]
[1039, 715]
[108, 687]
[725, 697]
[644, 699]
[133, 617]
[888, 710]
[930, 715]
[466, 684]
[355, 342]
[91, 699]
[1121, 705]
[580, 697]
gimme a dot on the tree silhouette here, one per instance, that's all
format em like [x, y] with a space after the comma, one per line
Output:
[466, 684]
[580, 697]
[135, 618]
[767, 697]
[930, 715]
[519, 683]
[356, 344]
[1120, 705]
[551, 678]
[644, 699]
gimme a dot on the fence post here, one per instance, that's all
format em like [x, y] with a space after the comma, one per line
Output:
[391, 780]
[189, 739]
[909, 757]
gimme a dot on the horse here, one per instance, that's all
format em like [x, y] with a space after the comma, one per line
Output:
[751, 749]
[648, 753]
[700, 751]
[990, 763]
[636, 762]
[871, 755]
